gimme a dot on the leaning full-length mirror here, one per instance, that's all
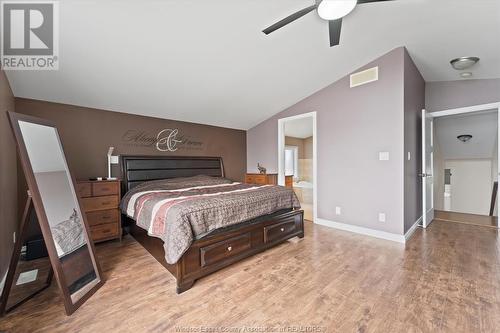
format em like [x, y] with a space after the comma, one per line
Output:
[57, 206]
[29, 271]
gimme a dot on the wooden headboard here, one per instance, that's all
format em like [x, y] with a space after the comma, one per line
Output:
[137, 169]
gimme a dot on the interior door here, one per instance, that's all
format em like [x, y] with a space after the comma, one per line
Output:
[427, 168]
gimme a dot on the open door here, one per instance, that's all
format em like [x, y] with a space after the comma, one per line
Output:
[427, 168]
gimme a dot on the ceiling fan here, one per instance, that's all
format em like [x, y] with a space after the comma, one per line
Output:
[331, 10]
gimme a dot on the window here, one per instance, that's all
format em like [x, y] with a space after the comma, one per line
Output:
[292, 161]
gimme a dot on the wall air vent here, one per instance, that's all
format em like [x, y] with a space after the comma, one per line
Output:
[363, 77]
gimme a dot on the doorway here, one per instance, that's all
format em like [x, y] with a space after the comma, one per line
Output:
[460, 159]
[297, 144]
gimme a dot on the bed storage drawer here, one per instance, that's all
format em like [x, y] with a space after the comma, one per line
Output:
[105, 231]
[103, 216]
[224, 249]
[281, 231]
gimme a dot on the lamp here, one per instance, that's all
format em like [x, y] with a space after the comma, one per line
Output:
[335, 9]
[110, 153]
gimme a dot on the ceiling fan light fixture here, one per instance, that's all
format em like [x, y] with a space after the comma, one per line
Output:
[335, 9]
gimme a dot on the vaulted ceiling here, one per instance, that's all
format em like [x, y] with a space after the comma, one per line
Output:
[208, 61]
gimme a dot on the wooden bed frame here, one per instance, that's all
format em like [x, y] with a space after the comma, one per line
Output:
[224, 246]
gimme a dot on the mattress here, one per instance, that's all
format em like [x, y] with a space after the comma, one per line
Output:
[181, 210]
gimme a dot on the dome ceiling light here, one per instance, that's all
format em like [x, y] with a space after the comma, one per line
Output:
[464, 138]
[464, 62]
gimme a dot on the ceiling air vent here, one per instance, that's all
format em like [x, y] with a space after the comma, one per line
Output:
[366, 76]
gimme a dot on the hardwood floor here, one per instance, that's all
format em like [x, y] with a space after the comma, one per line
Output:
[446, 279]
[479, 220]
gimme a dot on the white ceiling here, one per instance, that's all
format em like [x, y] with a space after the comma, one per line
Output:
[299, 128]
[483, 128]
[208, 61]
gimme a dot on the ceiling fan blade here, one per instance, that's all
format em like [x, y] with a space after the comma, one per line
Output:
[289, 19]
[368, 1]
[335, 26]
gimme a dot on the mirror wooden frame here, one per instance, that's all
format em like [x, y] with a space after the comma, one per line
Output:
[14, 259]
[69, 305]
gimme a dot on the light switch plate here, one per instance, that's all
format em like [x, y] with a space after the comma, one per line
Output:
[381, 217]
[383, 156]
[409, 156]
[338, 210]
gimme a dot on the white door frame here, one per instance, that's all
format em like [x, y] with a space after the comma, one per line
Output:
[469, 109]
[427, 212]
[281, 156]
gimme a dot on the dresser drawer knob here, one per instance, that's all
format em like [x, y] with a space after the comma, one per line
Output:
[229, 248]
[282, 229]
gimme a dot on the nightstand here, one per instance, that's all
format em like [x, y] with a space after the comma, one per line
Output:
[100, 201]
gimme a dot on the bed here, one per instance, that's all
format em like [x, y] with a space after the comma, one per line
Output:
[194, 221]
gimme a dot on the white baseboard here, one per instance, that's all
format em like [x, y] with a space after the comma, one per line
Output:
[414, 227]
[363, 231]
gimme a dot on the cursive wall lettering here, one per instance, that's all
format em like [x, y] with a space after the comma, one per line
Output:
[167, 140]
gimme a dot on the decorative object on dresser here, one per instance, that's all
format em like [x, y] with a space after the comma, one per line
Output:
[53, 200]
[101, 200]
[262, 170]
[267, 179]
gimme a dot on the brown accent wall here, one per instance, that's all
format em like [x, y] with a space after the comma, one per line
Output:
[88, 133]
[8, 176]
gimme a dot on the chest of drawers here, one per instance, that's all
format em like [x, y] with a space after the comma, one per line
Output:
[100, 203]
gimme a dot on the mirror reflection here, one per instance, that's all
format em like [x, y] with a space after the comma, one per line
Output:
[61, 207]
[33, 271]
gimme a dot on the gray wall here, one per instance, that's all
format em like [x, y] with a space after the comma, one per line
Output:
[354, 125]
[8, 176]
[455, 94]
[414, 102]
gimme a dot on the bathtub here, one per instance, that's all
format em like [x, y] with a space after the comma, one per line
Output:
[303, 184]
[304, 191]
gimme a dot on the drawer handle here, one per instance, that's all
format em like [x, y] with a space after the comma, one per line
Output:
[105, 217]
[106, 230]
[106, 203]
[229, 248]
[282, 229]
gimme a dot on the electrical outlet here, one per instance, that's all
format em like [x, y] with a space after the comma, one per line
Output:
[381, 217]
[114, 159]
[338, 210]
